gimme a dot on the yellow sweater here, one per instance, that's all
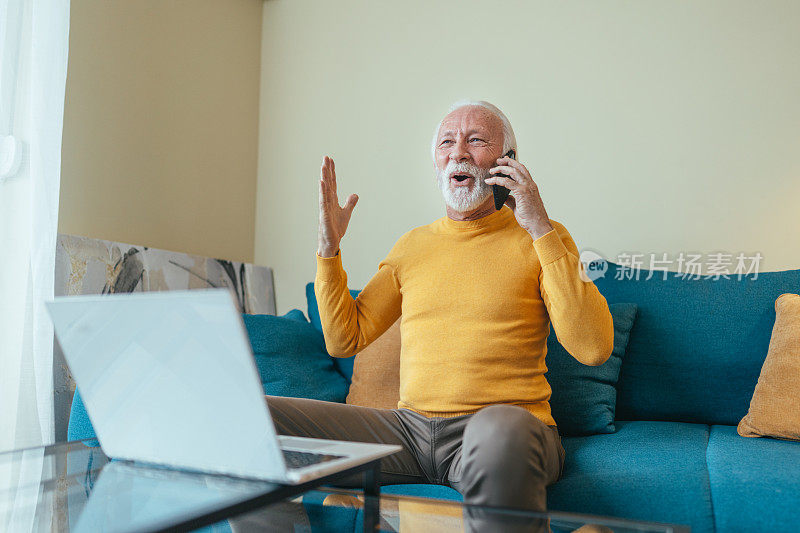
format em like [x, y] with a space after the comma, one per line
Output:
[476, 299]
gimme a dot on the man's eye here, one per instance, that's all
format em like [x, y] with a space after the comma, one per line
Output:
[446, 141]
[476, 139]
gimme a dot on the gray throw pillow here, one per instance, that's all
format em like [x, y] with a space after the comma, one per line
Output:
[584, 397]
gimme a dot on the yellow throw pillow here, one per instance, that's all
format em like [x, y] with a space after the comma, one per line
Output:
[376, 372]
[775, 406]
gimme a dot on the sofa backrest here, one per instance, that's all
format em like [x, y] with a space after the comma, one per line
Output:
[697, 345]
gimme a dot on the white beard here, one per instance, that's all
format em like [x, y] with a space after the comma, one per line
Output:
[463, 199]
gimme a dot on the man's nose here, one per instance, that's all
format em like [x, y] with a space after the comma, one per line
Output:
[460, 152]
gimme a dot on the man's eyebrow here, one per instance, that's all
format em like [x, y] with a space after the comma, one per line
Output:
[470, 132]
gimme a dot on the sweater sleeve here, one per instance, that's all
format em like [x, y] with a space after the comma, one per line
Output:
[350, 325]
[579, 313]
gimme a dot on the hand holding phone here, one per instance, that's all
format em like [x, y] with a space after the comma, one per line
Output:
[500, 192]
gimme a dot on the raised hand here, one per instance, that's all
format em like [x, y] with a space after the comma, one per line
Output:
[333, 219]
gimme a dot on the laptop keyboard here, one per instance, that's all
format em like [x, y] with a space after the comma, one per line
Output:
[296, 459]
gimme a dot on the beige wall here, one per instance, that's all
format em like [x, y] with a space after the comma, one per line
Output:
[161, 124]
[649, 126]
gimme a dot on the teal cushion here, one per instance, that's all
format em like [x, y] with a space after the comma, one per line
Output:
[79, 426]
[423, 490]
[654, 471]
[291, 358]
[697, 347]
[755, 482]
[343, 364]
[584, 397]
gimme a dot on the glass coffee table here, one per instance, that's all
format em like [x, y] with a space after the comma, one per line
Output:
[75, 487]
[334, 509]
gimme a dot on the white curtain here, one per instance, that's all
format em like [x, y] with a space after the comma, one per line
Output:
[34, 37]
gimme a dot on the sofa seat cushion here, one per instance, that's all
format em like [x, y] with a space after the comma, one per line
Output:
[653, 471]
[440, 492]
[755, 482]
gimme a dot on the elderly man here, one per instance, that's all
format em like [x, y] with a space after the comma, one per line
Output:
[477, 290]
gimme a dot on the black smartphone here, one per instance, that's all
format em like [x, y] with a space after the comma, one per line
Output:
[500, 192]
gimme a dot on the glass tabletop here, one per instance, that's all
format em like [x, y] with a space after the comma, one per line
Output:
[75, 487]
[413, 514]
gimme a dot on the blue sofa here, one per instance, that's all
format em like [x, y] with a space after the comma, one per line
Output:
[693, 358]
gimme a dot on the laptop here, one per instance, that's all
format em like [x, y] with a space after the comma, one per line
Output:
[169, 378]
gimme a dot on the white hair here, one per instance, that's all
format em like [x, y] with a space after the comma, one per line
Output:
[509, 139]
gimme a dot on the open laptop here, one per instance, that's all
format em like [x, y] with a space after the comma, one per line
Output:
[169, 378]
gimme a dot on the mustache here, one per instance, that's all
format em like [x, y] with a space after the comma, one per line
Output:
[464, 167]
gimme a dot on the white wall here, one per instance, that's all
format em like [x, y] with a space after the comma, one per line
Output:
[161, 124]
[649, 126]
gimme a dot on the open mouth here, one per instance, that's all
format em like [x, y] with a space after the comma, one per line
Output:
[462, 179]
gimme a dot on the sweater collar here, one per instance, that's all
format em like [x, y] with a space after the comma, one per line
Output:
[494, 220]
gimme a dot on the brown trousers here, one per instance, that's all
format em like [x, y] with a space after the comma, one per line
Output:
[500, 456]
